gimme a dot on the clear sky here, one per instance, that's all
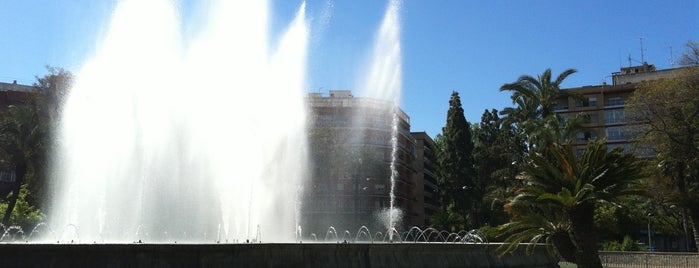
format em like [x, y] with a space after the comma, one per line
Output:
[472, 47]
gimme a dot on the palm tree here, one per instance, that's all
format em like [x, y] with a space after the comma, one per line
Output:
[568, 188]
[534, 100]
[540, 91]
[22, 144]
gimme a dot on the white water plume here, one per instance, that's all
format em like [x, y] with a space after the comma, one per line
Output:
[383, 81]
[166, 140]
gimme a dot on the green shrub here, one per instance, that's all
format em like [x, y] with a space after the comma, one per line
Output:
[491, 233]
[24, 215]
[628, 244]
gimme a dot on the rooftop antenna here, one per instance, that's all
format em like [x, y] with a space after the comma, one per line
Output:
[629, 60]
[642, 51]
[672, 59]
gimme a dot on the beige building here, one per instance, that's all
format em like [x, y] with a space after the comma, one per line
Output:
[427, 197]
[605, 106]
[351, 151]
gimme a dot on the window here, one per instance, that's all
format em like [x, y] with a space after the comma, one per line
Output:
[614, 116]
[594, 119]
[340, 203]
[585, 136]
[592, 101]
[591, 117]
[560, 106]
[7, 176]
[589, 102]
[379, 188]
[617, 133]
[615, 101]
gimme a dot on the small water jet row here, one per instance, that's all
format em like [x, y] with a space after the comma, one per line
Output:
[70, 235]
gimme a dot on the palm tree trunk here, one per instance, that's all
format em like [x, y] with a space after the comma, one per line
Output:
[564, 246]
[582, 221]
[20, 172]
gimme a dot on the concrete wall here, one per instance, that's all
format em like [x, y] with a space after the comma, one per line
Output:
[268, 255]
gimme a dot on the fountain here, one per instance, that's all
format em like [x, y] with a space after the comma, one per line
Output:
[198, 140]
[189, 152]
[195, 140]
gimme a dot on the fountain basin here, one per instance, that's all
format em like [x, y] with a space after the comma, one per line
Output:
[270, 255]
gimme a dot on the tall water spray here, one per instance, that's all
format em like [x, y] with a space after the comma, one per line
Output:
[165, 138]
[383, 81]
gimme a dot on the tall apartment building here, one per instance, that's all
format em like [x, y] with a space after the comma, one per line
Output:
[605, 106]
[350, 141]
[427, 197]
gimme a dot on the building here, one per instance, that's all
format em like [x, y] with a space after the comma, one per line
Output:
[605, 106]
[351, 152]
[14, 94]
[427, 197]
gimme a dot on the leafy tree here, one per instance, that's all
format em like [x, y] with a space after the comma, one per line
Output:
[51, 91]
[669, 111]
[495, 150]
[22, 144]
[25, 135]
[560, 193]
[456, 175]
[24, 214]
[447, 220]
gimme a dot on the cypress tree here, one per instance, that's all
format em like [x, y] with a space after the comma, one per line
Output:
[456, 162]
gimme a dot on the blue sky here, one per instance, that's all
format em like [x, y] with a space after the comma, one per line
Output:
[472, 47]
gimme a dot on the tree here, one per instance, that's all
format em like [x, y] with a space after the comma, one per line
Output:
[691, 56]
[534, 112]
[25, 138]
[456, 163]
[23, 144]
[560, 192]
[669, 111]
[495, 150]
[51, 91]
[540, 92]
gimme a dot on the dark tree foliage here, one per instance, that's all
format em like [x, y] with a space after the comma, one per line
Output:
[456, 175]
[492, 164]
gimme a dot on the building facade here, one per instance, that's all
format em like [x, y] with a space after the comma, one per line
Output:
[428, 202]
[351, 151]
[605, 107]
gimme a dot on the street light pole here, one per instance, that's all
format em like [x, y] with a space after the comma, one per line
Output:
[650, 242]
